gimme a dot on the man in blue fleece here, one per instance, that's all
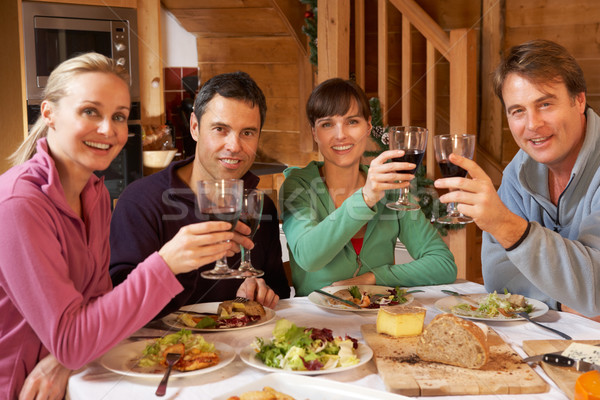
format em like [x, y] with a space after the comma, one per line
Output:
[542, 228]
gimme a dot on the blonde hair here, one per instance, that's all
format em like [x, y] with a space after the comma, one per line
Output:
[56, 89]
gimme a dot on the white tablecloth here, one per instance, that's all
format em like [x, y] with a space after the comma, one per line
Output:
[95, 382]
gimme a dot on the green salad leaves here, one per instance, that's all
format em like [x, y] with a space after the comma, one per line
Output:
[153, 353]
[305, 349]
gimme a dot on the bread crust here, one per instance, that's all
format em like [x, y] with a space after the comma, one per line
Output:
[452, 340]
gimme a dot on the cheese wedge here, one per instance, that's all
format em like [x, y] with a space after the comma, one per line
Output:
[399, 321]
[582, 351]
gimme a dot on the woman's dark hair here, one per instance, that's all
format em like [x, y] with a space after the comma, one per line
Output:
[334, 97]
[540, 61]
[237, 85]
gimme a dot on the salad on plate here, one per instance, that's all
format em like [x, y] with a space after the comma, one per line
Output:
[494, 305]
[297, 348]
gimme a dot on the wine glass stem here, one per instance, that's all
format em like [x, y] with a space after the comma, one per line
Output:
[245, 257]
[452, 209]
[403, 199]
[221, 264]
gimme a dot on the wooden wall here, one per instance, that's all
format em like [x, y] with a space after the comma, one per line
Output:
[256, 36]
[574, 24]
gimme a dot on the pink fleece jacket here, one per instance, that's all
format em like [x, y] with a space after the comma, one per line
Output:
[55, 290]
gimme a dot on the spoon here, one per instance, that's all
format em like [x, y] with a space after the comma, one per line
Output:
[171, 359]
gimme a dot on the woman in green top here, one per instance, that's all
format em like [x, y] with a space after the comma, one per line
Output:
[338, 229]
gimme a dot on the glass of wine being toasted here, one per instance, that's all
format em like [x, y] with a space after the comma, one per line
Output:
[444, 145]
[413, 140]
[221, 200]
[252, 206]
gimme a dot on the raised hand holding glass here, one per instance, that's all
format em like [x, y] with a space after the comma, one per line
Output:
[221, 200]
[413, 140]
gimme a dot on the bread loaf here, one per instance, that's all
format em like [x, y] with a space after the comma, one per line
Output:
[399, 320]
[449, 339]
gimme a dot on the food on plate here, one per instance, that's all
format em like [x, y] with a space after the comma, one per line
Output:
[197, 352]
[268, 393]
[298, 348]
[399, 321]
[449, 339]
[230, 314]
[365, 299]
[495, 305]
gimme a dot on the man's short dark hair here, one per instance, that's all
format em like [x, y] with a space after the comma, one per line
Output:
[540, 61]
[234, 85]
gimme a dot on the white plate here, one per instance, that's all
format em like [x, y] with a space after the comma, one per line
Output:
[445, 305]
[123, 358]
[307, 387]
[321, 300]
[363, 352]
[172, 321]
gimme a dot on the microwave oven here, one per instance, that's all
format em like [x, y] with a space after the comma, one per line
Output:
[55, 32]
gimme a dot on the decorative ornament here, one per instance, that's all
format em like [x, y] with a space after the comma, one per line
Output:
[425, 192]
[310, 29]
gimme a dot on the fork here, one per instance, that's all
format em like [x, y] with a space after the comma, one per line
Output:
[523, 314]
[240, 300]
[171, 359]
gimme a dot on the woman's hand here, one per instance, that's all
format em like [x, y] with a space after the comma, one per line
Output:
[258, 290]
[196, 245]
[364, 279]
[47, 380]
[384, 176]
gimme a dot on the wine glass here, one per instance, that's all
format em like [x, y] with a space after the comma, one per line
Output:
[444, 145]
[413, 140]
[252, 207]
[221, 200]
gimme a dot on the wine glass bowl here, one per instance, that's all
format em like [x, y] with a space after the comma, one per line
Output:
[252, 207]
[413, 140]
[221, 200]
[462, 145]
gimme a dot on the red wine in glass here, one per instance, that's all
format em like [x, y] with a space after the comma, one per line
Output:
[221, 200]
[411, 156]
[413, 141]
[225, 214]
[444, 146]
[252, 207]
[450, 170]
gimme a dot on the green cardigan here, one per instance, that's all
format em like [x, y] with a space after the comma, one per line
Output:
[318, 237]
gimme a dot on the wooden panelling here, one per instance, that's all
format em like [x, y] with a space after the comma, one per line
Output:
[151, 68]
[568, 35]
[283, 147]
[109, 3]
[246, 50]
[188, 4]
[274, 80]
[12, 102]
[551, 12]
[334, 29]
[231, 21]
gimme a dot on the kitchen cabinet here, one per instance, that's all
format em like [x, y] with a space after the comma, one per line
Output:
[13, 111]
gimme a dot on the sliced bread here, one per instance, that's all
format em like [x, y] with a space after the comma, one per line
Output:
[449, 339]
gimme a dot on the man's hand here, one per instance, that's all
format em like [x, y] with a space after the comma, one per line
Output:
[198, 244]
[257, 289]
[48, 380]
[477, 198]
[364, 279]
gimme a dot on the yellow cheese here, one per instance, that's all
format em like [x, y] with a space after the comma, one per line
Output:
[398, 321]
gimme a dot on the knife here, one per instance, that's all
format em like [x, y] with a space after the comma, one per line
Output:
[466, 297]
[337, 298]
[562, 361]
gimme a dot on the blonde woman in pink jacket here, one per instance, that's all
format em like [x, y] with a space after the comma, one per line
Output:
[56, 299]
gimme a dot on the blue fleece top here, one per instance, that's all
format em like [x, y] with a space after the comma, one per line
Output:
[318, 237]
[559, 259]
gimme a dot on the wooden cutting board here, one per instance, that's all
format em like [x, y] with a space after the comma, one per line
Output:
[563, 377]
[403, 373]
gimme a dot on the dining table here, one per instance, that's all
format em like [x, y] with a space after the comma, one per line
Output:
[93, 381]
